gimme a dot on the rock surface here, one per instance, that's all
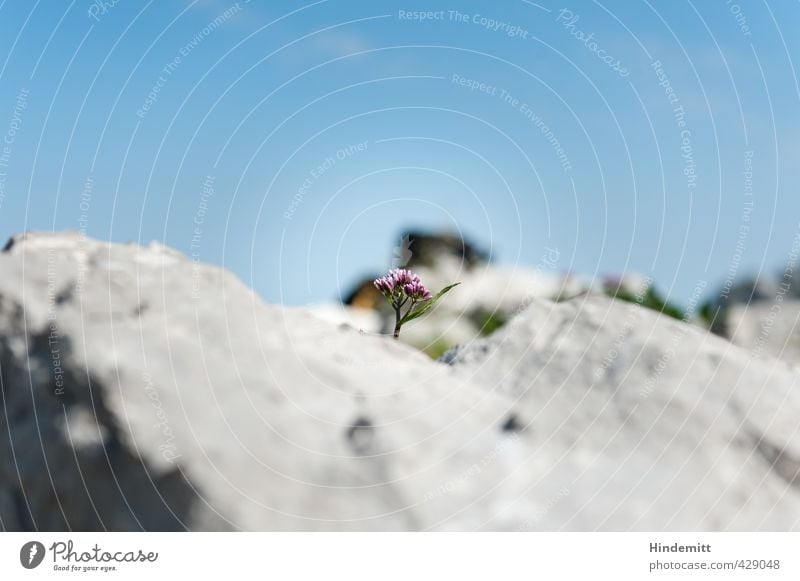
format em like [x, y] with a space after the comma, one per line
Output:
[763, 316]
[170, 397]
[650, 423]
[768, 329]
[142, 390]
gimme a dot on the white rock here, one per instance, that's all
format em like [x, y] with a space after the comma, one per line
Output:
[188, 403]
[212, 410]
[767, 328]
[647, 423]
[365, 320]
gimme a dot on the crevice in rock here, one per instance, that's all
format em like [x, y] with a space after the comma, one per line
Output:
[361, 435]
[65, 295]
[783, 464]
[512, 424]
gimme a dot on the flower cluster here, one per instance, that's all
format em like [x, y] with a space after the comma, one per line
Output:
[402, 287]
[401, 283]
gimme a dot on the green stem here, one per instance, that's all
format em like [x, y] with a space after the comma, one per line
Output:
[397, 322]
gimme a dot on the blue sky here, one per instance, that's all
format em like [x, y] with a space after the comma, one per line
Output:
[292, 142]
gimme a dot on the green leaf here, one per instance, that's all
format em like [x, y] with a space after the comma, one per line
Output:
[410, 316]
[442, 292]
[418, 313]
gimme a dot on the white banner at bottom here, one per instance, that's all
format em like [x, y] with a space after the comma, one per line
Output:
[401, 556]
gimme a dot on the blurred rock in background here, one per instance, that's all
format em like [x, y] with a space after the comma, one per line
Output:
[488, 297]
[762, 315]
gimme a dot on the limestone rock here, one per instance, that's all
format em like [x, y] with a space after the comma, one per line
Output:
[647, 422]
[142, 390]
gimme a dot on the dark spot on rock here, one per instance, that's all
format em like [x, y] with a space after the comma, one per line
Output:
[780, 461]
[512, 424]
[451, 355]
[18, 238]
[65, 295]
[361, 434]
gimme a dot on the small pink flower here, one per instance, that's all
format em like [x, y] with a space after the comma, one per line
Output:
[397, 280]
[385, 285]
[402, 277]
[402, 288]
[417, 291]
